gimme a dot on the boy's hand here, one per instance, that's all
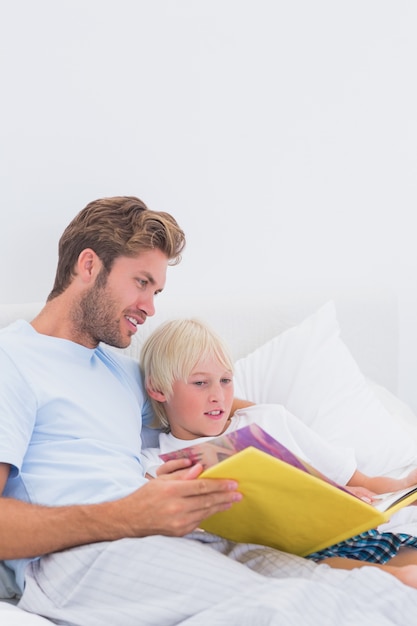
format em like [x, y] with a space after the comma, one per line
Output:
[411, 479]
[362, 493]
[178, 468]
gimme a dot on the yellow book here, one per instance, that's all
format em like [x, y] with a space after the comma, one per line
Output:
[286, 504]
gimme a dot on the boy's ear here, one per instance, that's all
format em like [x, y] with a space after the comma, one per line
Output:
[156, 395]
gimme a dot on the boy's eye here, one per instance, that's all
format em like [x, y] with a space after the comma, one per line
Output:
[142, 282]
[226, 381]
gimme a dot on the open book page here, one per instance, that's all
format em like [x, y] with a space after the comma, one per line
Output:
[386, 501]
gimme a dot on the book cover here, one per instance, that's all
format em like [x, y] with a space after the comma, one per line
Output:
[217, 449]
[286, 503]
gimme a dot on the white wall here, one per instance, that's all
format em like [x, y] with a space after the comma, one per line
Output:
[281, 134]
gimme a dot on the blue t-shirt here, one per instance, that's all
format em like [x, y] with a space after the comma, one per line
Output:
[70, 420]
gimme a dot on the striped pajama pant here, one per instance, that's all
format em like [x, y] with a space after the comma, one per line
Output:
[202, 580]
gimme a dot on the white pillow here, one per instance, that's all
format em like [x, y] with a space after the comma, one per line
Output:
[400, 410]
[311, 372]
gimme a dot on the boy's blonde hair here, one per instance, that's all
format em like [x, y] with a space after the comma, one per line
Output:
[172, 351]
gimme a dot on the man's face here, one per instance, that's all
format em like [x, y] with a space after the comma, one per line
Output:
[111, 310]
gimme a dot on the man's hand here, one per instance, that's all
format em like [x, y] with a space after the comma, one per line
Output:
[175, 506]
[167, 505]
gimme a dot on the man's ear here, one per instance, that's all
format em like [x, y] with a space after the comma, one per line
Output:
[88, 264]
[155, 395]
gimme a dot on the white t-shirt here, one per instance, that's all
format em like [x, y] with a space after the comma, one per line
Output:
[336, 463]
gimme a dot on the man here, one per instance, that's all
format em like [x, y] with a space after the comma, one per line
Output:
[91, 541]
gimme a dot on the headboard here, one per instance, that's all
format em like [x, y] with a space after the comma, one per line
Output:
[368, 320]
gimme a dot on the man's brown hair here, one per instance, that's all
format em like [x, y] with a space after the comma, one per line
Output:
[114, 227]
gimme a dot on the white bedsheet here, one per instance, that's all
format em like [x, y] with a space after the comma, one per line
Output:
[11, 615]
[363, 597]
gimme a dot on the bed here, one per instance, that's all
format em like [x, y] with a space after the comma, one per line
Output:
[333, 361]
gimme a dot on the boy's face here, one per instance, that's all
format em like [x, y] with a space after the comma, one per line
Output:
[200, 407]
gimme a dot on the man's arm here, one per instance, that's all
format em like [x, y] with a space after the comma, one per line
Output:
[163, 506]
[240, 404]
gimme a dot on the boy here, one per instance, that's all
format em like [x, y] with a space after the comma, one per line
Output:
[188, 375]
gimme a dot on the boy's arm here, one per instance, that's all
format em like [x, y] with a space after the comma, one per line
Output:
[383, 484]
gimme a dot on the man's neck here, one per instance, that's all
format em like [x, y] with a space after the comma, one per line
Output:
[55, 320]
